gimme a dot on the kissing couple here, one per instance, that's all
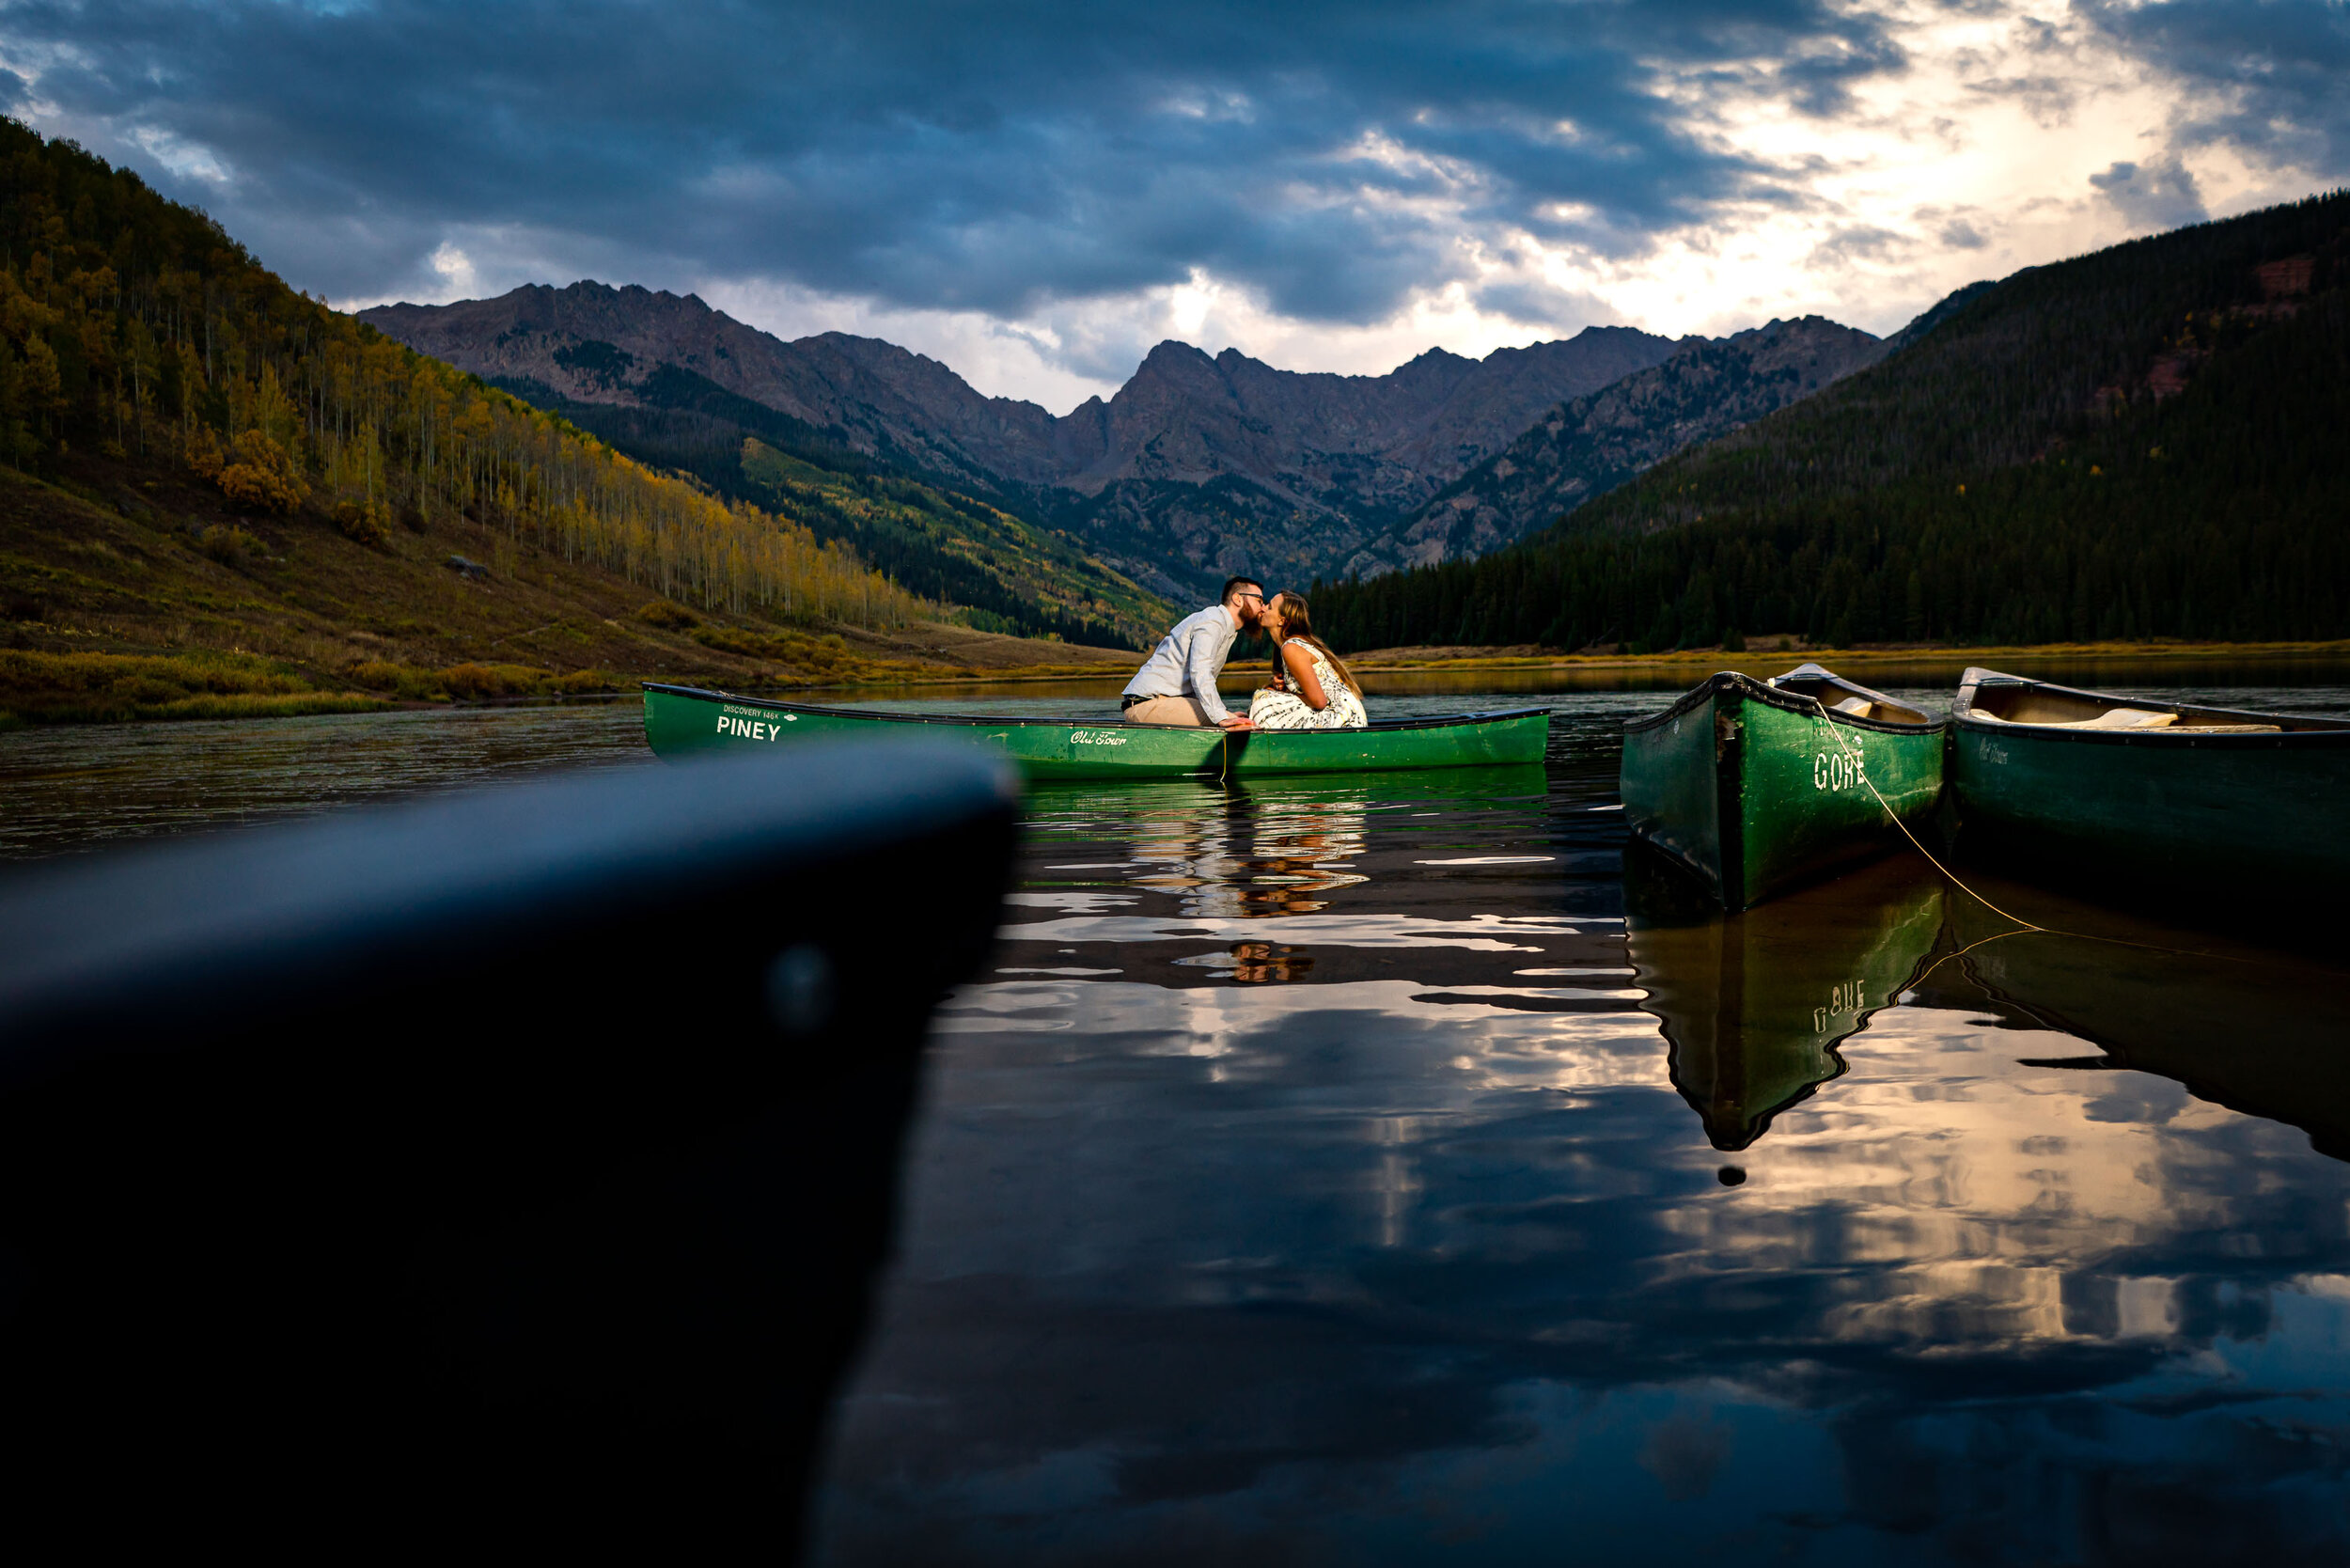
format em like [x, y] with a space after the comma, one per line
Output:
[1311, 687]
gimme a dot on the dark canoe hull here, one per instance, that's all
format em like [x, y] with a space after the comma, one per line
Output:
[2263, 816]
[1749, 787]
[474, 1232]
[685, 721]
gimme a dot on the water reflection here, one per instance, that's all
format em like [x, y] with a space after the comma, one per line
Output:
[1362, 1217]
[2254, 1028]
[1376, 1227]
[1245, 852]
[74, 788]
[1753, 1006]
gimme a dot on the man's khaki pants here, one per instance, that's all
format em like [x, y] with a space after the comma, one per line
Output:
[1167, 710]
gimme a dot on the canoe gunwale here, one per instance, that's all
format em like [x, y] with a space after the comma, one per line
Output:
[1752, 690]
[2307, 732]
[1444, 721]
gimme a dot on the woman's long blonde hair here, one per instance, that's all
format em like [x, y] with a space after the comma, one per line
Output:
[1298, 626]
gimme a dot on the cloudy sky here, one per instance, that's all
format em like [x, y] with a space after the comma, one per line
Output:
[1036, 193]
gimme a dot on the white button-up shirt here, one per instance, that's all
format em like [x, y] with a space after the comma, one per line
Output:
[1187, 660]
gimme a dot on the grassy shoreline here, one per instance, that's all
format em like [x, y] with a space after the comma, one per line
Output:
[1438, 660]
[45, 688]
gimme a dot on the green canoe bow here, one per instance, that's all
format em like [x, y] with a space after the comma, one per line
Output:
[684, 720]
[1756, 787]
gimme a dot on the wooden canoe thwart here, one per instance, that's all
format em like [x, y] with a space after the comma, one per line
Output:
[1760, 786]
[685, 720]
[2149, 793]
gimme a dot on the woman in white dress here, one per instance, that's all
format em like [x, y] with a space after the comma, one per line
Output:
[1311, 687]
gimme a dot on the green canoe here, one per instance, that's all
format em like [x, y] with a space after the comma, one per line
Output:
[682, 720]
[2129, 790]
[1754, 1006]
[1759, 785]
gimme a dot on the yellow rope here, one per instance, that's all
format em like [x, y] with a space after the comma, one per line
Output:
[1861, 773]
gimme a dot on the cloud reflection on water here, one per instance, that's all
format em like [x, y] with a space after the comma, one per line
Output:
[1367, 1261]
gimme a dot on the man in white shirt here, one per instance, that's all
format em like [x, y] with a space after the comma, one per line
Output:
[1177, 683]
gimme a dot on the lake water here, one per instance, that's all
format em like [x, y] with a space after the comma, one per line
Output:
[1372, 1170]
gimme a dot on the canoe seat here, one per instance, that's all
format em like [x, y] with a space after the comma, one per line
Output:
[1858, 706]
[2112, 718]
[2139, 718]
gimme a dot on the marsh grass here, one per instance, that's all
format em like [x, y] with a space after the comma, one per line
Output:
[84, 688]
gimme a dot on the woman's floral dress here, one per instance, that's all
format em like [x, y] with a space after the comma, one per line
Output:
[1287, 711]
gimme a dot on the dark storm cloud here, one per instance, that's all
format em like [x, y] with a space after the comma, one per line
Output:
[2277, 72]
[1536, 304]
[1328, 155]
[2160, 196]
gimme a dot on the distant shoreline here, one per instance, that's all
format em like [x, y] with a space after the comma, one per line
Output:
[1100, 668]
[1440, 660]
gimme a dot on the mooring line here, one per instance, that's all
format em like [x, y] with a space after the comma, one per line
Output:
[1861, 771]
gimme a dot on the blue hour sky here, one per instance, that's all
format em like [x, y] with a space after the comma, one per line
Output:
[1035, 194]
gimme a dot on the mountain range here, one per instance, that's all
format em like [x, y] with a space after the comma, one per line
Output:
[1198, 466]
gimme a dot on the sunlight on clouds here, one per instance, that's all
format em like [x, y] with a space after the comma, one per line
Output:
[2009, 141]
[1985, 157]
[1339, 194]
[454, 267]
[186, 159]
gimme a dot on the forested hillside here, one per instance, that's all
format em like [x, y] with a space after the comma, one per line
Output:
[1009, 573]
[135, 327]
[2142, 442]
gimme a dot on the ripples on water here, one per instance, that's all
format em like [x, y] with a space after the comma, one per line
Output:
[74, 788]
[1367, 1171]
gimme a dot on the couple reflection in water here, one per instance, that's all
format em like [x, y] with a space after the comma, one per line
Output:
[1254, 855]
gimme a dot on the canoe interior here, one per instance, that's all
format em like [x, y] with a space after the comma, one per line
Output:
[1832, 690]
[2000, 698]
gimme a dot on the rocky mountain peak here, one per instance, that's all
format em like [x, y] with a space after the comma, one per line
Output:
[1199, 463]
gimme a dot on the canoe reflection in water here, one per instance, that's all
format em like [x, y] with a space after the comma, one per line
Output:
[1754, 1006]
[2252, 1028]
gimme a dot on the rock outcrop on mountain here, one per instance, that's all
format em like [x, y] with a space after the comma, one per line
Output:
[1229, 464]
[1587, 445]
[1197, 466]
[593, 344]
